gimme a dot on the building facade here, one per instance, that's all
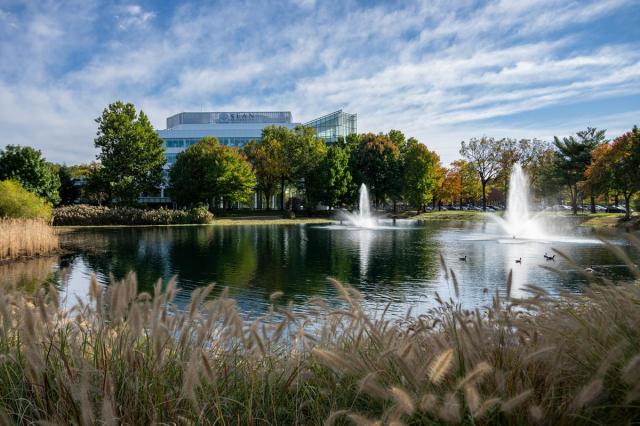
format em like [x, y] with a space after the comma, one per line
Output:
[333, 126]
[231, 128]
[236, 129]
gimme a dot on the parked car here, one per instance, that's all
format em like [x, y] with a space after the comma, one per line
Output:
[616, 209]
[600, 209]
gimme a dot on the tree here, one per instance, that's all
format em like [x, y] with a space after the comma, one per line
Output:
[484, 156]
[304, 152]
[331, 182]
[131, 152]
[96, 188]
[26, 165]
[276, 146]
[617, 165]
[470, 188]
[420, 178]
[373, 163]
[545, 180]
[397, 187]
[17, 202]
[208, 171]
[573, 156]
[268, 161]
[68, 191]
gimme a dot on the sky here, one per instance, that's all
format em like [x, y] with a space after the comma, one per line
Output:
[441, 71]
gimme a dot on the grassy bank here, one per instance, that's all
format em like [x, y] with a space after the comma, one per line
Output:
[136, 359]
[611, 220]
[26, 238]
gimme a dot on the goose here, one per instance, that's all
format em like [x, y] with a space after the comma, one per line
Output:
[589, 270]
[519, 260]
[464, 259]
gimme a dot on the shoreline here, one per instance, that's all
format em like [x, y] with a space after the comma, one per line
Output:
[598, 220]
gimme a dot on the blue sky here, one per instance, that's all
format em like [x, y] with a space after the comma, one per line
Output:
[441, 71]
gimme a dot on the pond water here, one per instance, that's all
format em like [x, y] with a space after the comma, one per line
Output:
[398, 263]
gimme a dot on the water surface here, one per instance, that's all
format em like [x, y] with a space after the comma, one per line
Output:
[398, 263]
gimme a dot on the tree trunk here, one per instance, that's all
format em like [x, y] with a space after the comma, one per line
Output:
[593, 203]
[395, 206]
[282, 194]
[627, 204]
[574, 199]
[484, 196]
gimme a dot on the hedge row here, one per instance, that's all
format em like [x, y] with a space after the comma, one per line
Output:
[79, 215]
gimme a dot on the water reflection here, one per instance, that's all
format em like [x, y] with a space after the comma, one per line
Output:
[393, 264]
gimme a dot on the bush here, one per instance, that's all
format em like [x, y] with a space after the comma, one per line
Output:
[17, 202]
[85, 215]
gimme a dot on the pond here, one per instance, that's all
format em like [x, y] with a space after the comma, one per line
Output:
[399, 262]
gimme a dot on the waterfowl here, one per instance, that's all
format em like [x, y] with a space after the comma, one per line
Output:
[550, 257]
[464, 259]
[589, 270]
[519, 260]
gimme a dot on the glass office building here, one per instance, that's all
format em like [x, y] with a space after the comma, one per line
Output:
[231, 128]
[236, 129]
[332, 126]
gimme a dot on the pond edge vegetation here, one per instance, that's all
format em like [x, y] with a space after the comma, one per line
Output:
[124, 357]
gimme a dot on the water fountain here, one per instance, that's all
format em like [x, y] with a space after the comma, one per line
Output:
[518, 222]
[362, 218]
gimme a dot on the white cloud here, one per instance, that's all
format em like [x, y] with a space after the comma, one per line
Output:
[133, 15]
[438, 71]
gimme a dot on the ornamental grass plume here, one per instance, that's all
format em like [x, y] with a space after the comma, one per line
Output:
[26, 238]
[125, 357]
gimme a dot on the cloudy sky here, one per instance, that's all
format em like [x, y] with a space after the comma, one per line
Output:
[442, 71]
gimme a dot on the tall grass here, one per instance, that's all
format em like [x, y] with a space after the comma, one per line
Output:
[26, 237]
[134, 358]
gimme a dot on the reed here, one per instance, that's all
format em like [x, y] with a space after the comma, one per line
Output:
[26, 238]
[129, 358]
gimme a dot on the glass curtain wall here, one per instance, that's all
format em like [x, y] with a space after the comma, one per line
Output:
[335, 125]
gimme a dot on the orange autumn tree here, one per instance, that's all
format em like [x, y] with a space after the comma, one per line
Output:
[616, 165]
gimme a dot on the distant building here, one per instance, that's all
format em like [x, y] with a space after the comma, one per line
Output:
[336, 125]
[231, 128]
[236, 129]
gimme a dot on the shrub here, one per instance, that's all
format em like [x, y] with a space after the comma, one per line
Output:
[85, 215]
[17, 202]
[26, 237]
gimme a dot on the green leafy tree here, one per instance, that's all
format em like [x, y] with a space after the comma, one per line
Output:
[331, 182]
[573, 156]
[17, 202]
[208, 171]
[269, 165]
[278, 138]
[420, 174]
[131, 152]
[306, 152]
[26, 165]
[397, 187]
[373, 162]
[484, 154]
[545, 180]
